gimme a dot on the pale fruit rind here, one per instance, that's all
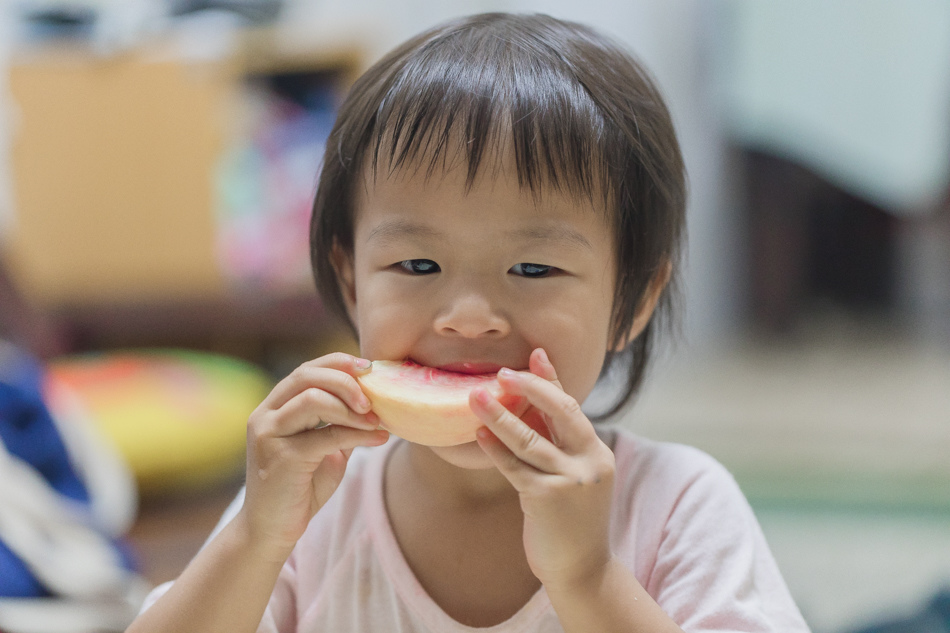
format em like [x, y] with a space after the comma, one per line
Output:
[425, 405]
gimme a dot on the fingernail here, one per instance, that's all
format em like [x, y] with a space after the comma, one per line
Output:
[508, 373]
[543, 356]
[362, 363]
[482, 396]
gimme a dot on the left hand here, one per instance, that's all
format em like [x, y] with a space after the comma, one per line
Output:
[561, 469]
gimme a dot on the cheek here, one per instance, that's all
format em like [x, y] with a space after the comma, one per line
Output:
[578, 379]
[576, 342]
[385, 321]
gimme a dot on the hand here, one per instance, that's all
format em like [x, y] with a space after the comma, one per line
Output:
[562, 471]
[298, 443]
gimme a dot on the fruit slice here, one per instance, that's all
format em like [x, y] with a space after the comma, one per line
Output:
[425, 405]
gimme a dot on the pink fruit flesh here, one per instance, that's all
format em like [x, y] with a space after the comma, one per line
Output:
[425, 405]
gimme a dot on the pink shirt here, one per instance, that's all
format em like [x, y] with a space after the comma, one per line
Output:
[679, 522]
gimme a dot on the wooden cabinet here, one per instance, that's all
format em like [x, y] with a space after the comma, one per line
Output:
[117, 204]
[113, 161]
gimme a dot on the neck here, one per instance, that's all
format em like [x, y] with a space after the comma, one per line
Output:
[446, 484]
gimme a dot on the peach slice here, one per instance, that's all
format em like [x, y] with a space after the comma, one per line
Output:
[425, 405]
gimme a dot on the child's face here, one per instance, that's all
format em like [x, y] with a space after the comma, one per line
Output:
[477, 280]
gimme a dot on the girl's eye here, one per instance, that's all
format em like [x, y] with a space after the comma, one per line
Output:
[531, 270]
[420, 266]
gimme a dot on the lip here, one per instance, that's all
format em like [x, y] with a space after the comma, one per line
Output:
[471, 367]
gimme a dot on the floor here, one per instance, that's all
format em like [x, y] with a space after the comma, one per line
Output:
[852, 568]
[170, 530]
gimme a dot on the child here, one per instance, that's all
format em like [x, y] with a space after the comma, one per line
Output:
[500, 194]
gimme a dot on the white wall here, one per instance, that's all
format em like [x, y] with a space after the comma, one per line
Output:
[856, 90]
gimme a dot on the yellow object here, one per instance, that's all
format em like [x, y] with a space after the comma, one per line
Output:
[178, 418]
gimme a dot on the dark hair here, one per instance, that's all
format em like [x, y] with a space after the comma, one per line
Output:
[580, 114]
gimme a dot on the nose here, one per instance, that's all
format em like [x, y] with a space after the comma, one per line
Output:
[471, 315]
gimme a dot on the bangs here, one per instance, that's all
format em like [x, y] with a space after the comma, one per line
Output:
[476, 96]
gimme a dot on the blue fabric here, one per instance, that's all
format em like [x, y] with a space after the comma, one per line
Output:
[28, 432]
[16, 580]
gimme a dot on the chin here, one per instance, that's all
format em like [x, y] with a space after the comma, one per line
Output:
[469, 456]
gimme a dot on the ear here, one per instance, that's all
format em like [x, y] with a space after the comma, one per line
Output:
[648, 303]
[342, 262]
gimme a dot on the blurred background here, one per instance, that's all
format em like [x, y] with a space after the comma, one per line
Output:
[157, 161]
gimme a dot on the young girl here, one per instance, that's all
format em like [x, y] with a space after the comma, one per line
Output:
[500, 194]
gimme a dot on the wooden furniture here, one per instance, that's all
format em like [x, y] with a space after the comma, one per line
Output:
[116, 211]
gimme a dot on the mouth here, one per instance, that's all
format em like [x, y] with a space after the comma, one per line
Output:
[471, 367]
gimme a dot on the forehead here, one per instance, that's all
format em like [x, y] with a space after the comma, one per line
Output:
[411, 205]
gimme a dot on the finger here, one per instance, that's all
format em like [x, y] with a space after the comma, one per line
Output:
[540, 422]
[540, 365]
[520, 474]
[568, 423]
[334, 373]
[522, 440]
[313, 408]
[313, 446]
[306, 451]
[327, 477]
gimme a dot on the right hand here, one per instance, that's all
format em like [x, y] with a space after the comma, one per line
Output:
[293, 467]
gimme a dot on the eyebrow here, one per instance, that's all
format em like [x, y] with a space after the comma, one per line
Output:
[561, 234]
[395, 229]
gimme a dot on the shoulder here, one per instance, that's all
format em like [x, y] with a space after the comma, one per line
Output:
[670, 491]
[667, 469]
[693, 540]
